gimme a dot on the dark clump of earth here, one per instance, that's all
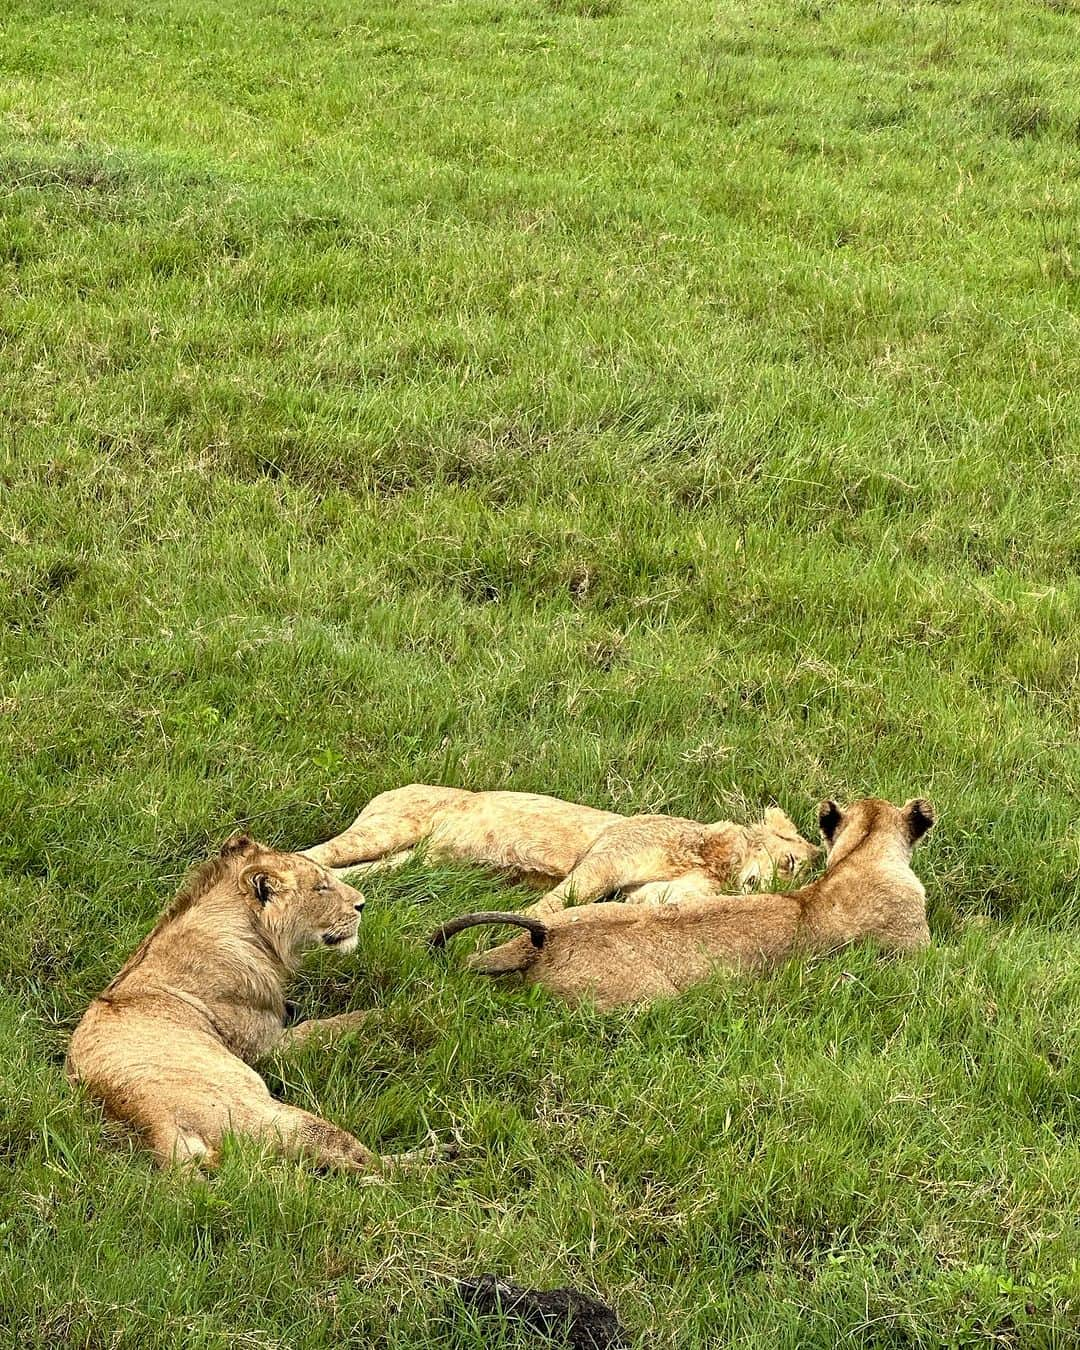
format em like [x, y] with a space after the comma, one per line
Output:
[565, 1315]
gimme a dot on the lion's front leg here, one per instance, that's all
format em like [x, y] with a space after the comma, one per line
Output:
[596, 876]
[630, 853]
[418, 1157]
[326, 1031]
[298, 1133]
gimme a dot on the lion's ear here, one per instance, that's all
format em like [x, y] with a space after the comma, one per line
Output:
[779, 821]
[238, 843]
[260, 883]
[918, 817]
[829, 818]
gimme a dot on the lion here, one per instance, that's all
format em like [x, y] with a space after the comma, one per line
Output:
[642, 851]
[614, 954]
[168, 1046]
[576, 854]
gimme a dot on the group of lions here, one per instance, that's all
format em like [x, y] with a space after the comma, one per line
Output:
[168, 1046]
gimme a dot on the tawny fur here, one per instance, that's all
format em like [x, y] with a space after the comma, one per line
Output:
[614, 954]
[638, 851]
[577, 854]
[167, 1047]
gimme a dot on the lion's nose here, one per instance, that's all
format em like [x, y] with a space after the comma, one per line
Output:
[359, 907]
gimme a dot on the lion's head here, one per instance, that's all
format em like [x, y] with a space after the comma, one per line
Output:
[774, 849]
[296, 903]
[843, 829]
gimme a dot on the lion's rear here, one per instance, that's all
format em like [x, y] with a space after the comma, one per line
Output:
[173, 1084]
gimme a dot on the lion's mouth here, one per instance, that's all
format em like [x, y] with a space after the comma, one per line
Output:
[344, 942]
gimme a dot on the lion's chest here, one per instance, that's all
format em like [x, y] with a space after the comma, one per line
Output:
[252, 1033]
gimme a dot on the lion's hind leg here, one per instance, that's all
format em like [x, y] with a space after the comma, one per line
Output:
[390, 824]
[186, 1150]
[385, 864]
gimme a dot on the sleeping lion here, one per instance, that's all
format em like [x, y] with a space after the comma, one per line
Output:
[576, 854]
[168, 1046]
[615, 954]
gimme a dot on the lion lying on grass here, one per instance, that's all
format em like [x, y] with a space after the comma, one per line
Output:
[542, 841]
[615, 954]
[168, 1045]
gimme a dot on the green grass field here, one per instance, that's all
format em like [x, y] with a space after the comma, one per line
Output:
[668, 406]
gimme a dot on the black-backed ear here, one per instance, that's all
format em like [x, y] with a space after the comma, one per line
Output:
[237, 843]
[918, 816]
[829, 818]
[260, 883]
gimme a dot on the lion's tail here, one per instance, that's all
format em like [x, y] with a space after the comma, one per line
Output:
[504, 960]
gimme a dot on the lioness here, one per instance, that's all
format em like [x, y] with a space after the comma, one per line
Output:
[542, 840]
[167, 1046]
[639, 851]
[615, 954]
